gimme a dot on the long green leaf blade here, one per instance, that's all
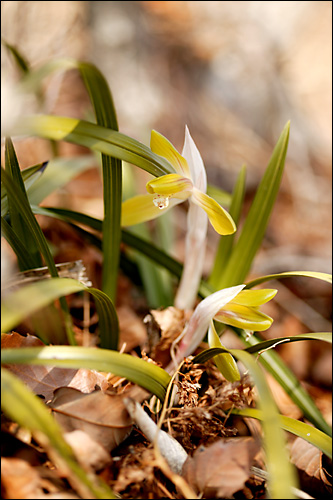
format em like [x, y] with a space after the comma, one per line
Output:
[29, 299]
[97, 138]
[16, 217]
[257, 219]
[290, 274]
[301, 429]
[102, 101]
[147, 375]
[22, 406]
[225, 245]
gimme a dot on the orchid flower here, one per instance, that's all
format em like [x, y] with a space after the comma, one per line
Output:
[233, 306]
[188, 183]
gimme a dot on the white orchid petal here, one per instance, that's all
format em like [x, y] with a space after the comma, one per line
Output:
[200, 319]
[196, 165]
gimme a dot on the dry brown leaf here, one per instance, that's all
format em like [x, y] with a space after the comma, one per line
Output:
[43, 380]
[222, 468]
[19, 479]
[132, 332]
[164, 326]
[89, 452]
[315, 469]
[101, 415]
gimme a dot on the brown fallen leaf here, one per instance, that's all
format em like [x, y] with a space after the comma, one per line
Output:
[314, 468]
[100, 414]
[163, 327]
[43, 380]
[221, 469]
[19, 479]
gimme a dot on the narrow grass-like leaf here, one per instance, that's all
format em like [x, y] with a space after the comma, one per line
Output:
[290, 274]
[224, 362]
[102, 101]
[97, 138]
[147, 375]
[281, 472]
[301, 429]
[21, 203]
[29, 175]
[23, 407]
[27, 300]
[16, 217]
[20, 60]
[267, 344]
[14, 241]
[225, 245]
[257, 219]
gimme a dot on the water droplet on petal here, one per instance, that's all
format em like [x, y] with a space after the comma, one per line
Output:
[161, 201]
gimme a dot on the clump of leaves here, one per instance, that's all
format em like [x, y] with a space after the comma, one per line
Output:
[225, 298]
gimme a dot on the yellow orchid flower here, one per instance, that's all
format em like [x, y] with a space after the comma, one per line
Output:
[243, 311]
[189, 182]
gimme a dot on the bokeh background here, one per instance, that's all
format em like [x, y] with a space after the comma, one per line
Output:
[235, 73]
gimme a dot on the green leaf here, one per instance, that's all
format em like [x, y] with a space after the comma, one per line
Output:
[22, 406]
[147, 375]
[290, 274]
[21, 203]
[224, 362]
[20, 60]
[301, 429]
[281, 472]
[226, 242]
[29, 175]
[267, 344]
[27, 262]
[102, 101]
[256, 222]
[16, 217]
[97, 138]
[28, 299]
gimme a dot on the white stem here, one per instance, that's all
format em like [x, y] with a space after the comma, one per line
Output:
[169, 447]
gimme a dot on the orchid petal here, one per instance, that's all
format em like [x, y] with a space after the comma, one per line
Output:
[169, 185]
[221, 221]
[255, 298]
[141, 208]
[198, 325]
[191, 154]
[244, 317]
[161, 146]
[224, 362]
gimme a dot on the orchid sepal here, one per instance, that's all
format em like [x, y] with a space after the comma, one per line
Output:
[161, 146]
[219, 218]
[224, 362]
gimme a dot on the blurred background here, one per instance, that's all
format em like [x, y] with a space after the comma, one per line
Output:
[235, 73]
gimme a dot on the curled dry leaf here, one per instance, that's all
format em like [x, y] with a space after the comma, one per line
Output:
[314, 468]
[101, 415]
[43, 380]
[221, 469]
[163, 327]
